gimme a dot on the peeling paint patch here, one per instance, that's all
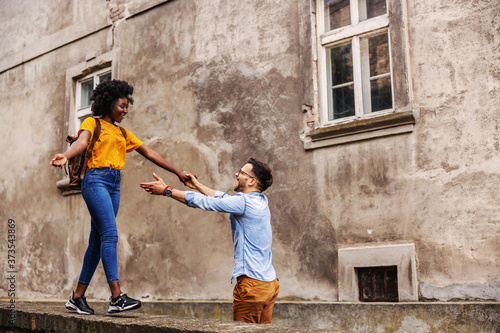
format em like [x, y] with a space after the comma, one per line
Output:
[468, 291]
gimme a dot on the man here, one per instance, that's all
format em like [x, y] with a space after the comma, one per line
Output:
[257, 287]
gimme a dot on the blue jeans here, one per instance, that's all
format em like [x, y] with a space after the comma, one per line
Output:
[101, 192]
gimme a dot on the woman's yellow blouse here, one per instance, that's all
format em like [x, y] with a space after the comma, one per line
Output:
[111, 148]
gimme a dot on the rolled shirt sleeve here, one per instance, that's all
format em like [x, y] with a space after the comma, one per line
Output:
[221, 202]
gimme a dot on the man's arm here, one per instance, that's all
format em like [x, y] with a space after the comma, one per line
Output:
[203, 189]
[158, 187]
[226, 204]
[178, 195]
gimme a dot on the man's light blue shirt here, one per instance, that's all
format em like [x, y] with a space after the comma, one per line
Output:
[250, 227]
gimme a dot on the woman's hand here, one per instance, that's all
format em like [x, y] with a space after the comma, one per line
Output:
[192, 181]
[76, 148]
[157, 187]
[59, 160]
[186, 177]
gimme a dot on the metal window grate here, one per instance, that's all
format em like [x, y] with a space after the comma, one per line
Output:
[378, 284]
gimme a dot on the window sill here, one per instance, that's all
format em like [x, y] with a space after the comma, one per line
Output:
[360, 129]
[63, 186]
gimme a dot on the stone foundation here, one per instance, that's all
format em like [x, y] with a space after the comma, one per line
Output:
[203, 316]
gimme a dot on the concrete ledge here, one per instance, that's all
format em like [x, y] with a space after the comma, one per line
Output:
[54, 318]
[192, 316]
[402, 317]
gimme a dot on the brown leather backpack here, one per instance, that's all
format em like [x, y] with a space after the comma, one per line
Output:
[77, 165]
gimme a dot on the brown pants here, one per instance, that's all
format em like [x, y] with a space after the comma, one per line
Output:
[253, 300]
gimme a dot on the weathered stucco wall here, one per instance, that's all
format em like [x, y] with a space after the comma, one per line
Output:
[436, 187]
[454, 57]
[218, 82]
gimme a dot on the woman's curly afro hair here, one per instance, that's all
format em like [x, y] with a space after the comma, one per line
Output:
[107, 93]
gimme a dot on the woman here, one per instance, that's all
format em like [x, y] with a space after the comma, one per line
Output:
[101, 188]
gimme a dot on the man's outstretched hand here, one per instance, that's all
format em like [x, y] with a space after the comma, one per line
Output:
[157, 187]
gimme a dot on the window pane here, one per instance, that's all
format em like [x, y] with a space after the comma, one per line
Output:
[341, 64]
[343, 102]
[341, 81]
[371, 8]
[105, 77]
[392, 284]
[86, 91]
[366, 284]
[337, 14]
[379, 284]
[381, 95]
[376, 73]
[378, 47]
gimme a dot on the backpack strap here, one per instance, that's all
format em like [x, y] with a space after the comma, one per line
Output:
[123, 132]
[95, 136]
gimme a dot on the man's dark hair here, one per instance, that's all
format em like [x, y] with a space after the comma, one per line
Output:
[263, 174]
[107, 93]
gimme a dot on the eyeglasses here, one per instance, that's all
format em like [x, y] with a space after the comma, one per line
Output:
[243, 172]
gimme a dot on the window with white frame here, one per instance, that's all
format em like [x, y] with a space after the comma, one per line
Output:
[84, 88]
[354, 59]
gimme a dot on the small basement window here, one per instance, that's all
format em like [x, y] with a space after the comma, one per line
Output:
[378, 284]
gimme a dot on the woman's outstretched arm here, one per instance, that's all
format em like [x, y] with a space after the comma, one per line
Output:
[76, 148]
[157, 159]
